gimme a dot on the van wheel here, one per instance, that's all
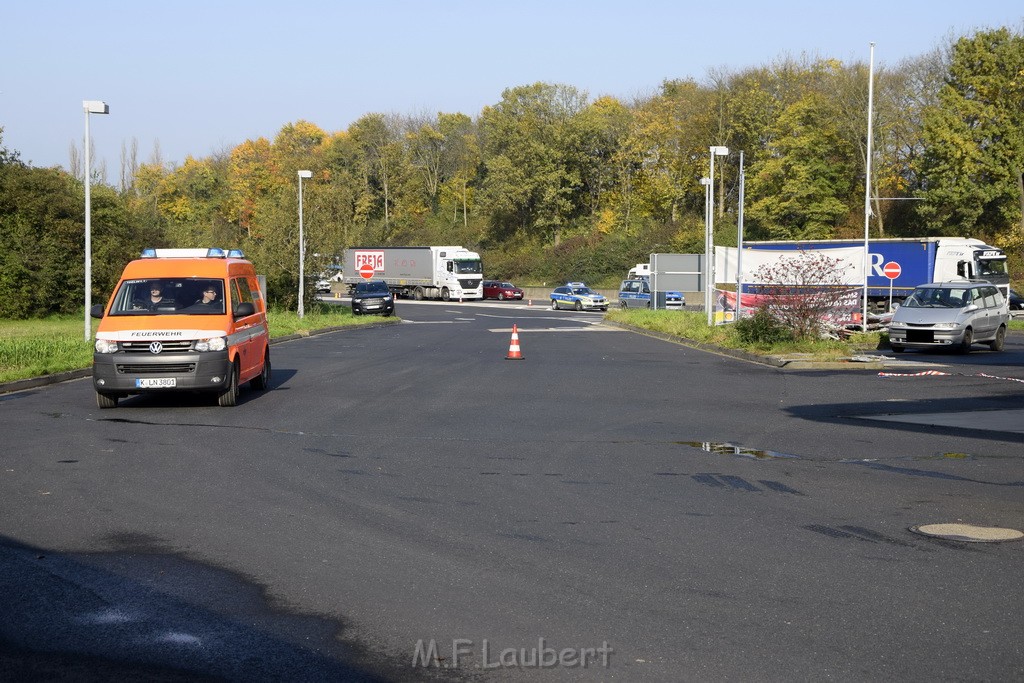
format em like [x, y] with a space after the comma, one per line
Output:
[229, 397]
[997, 343]
[105, 401]
[967, 341]
[261, 382]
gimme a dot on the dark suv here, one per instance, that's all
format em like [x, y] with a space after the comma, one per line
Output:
[372, 297]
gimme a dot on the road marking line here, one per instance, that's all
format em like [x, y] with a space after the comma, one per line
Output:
[594, 328]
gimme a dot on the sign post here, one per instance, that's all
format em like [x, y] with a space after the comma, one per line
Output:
[892, 271]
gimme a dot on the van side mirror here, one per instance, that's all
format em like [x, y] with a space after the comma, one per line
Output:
[244, 309]
[96, 311]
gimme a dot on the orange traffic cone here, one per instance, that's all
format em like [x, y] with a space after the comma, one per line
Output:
[513, 348]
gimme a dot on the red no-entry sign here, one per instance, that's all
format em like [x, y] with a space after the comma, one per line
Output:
[366, 271]
[892, 270]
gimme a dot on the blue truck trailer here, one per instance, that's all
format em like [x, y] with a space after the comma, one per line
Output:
[920, 259]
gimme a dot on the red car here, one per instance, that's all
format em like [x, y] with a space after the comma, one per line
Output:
[494, 289]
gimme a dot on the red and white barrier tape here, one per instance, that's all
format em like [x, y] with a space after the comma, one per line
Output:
[1010, 379]
[945, 374]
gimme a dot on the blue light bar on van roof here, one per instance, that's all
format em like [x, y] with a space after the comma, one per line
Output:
[212, 252]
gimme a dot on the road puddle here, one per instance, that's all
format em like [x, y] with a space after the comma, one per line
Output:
[724, 448]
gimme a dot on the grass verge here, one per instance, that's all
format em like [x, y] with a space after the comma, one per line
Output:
[694, 326]
[33, 348]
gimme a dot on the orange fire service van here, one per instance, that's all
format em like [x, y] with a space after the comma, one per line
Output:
[182, 320]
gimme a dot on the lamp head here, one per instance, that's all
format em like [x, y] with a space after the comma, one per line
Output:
[95, 107]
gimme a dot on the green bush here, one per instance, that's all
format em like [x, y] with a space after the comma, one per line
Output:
[762, 328]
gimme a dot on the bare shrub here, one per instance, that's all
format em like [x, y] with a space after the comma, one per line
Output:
[806, 293]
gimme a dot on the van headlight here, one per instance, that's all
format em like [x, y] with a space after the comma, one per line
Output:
[106, 346]
[947, 326]
[212, 344]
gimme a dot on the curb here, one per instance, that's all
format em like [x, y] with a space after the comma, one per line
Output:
[34, 382]
[771, 361]
[57, 377]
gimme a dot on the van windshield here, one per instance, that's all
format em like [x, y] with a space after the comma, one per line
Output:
[169, 296]
[937, 297]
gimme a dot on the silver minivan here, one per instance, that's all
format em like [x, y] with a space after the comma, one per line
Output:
[953, 315]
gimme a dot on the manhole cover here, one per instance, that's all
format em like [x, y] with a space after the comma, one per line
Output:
[968, 533]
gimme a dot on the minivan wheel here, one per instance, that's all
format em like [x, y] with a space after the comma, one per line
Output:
[261, 382]
[104, 401]
[229, 397]
[997, 343]
[967, 341]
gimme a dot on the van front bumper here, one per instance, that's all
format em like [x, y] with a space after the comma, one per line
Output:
[926, 337]
[130, 373]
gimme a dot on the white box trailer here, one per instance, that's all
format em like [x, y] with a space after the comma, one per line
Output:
[419, 273]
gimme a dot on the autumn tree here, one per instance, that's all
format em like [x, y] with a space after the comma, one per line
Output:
[251, 171]
[803, 186]
[42, 268]
[974, 141]
[460, 162]
[378, 139]
[672, 135]
[533, 178]
[190, 197]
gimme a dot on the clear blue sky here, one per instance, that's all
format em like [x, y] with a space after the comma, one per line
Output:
[200, 76]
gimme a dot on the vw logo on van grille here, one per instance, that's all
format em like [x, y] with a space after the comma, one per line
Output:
[156, 347]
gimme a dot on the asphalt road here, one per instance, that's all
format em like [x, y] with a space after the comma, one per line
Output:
[404, 495]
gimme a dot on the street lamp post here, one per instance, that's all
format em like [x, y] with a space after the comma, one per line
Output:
[90, 107]
[716, 151]
[739, 243]
[706, 270]
[302, 244]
